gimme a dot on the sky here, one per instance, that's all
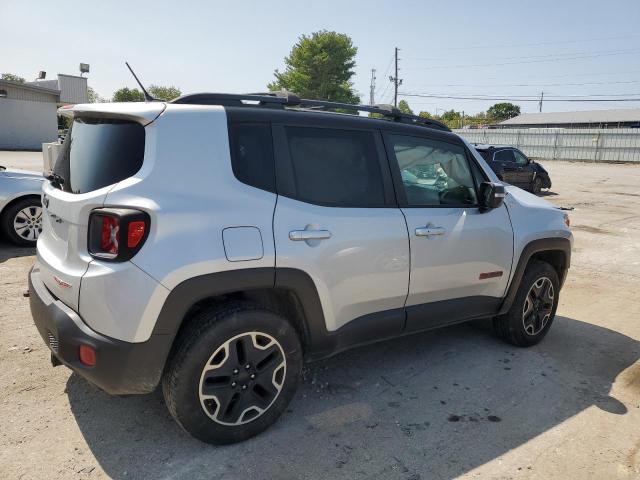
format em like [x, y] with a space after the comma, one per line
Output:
[466, 48]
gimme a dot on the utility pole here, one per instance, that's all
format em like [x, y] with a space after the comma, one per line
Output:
[372, 89]
[540, 102]
[396, 81]
[462, 126]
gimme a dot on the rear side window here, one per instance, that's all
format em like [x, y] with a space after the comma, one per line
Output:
[252, 154]
[100, 152]
[504, 156]
[335, 167]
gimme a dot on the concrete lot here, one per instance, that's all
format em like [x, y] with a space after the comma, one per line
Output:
[450, 403]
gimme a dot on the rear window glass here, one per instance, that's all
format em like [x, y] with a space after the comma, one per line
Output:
[98, 153]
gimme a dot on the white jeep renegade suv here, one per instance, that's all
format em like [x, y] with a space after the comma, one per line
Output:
[215, 243]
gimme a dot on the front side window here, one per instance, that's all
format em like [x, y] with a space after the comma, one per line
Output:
[434, 173]
[335, 167]
[520, 158]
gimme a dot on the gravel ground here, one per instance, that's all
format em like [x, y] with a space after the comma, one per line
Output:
[451, 403]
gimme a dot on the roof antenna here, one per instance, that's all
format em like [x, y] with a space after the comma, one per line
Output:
[147, 97]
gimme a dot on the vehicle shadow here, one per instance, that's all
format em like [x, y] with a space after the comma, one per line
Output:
[8, 251]
[434, 405]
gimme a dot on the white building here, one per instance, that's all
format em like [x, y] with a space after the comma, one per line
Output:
[28, 110]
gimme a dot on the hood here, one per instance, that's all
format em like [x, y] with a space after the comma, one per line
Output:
[22, 174]
[527, 199]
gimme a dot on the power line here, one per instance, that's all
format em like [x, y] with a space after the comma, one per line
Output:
[527, 84]
[518, 99]
[546, 55]
[564, 59]
[556, 42]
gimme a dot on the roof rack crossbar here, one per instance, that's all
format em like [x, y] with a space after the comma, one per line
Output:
[284, 99]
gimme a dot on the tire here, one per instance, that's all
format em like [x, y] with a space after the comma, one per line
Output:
[536, 187]
[22, 221]
[205, 385]
[522, 329]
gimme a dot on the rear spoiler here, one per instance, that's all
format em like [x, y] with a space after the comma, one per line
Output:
[140, 112]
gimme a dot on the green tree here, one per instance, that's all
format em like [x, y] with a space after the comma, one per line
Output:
[503, 111]
[10, 77]
[403, 106]
[128, 95]
[164, 93]
[320, 66]
[93, 96]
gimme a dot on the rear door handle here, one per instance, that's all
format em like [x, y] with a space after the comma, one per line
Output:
[304, 235]
[430, 231]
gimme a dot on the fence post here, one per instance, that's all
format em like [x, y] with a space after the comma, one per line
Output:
[595, 154]
[555, 145]
[518, 138]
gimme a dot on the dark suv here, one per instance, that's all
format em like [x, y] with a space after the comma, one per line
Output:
[514, 167]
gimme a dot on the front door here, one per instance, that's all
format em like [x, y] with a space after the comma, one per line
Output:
[460, 257]
[336, 220]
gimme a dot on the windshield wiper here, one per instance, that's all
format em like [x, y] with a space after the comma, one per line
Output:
[56, 180]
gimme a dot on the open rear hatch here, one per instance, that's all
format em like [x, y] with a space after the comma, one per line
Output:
[105, 144]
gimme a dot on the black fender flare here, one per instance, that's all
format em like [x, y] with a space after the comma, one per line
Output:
[552, 244]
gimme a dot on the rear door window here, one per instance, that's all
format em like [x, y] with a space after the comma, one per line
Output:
[334, 167]
[100, 152]
[504, 156]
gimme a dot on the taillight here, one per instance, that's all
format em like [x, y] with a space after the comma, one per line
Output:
[117, 234]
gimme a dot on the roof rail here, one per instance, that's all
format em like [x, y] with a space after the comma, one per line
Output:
[282, 99]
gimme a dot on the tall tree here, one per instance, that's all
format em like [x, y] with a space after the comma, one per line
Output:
[12, 78]
[164, 93]
[403, 106]
[503, 111]
[93, 96]
[128, 95]
[320, 66]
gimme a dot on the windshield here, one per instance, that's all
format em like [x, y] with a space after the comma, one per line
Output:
[98, 153]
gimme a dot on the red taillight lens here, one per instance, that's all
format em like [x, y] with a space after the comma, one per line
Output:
[87, 355]
[117, 234]
[135, 233]
[109, 235]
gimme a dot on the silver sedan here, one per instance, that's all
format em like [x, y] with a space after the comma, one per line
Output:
[20, 208]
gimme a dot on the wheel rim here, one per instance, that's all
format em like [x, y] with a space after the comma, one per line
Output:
[538, 306]
[28, 223]
[242, 378]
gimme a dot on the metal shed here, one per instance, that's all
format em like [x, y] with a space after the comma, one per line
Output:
[27, 115]
[619, 118]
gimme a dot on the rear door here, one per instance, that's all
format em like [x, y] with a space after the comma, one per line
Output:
[460, 257]
[336, 219]
[98, 153]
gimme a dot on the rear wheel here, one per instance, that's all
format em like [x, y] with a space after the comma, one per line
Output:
[22, 221]
[534, 308]
[232, 373]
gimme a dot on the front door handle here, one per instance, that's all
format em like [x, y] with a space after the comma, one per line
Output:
[430, 231]
[304, 235]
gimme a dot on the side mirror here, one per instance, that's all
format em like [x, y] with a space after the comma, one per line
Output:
[491, 196]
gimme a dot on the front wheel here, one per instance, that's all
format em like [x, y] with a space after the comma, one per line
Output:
[232, 373]
[534, 308]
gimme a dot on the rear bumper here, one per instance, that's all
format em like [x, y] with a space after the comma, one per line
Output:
[121, 367]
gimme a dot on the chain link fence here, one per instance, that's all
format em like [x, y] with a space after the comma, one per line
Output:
[590, 145]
